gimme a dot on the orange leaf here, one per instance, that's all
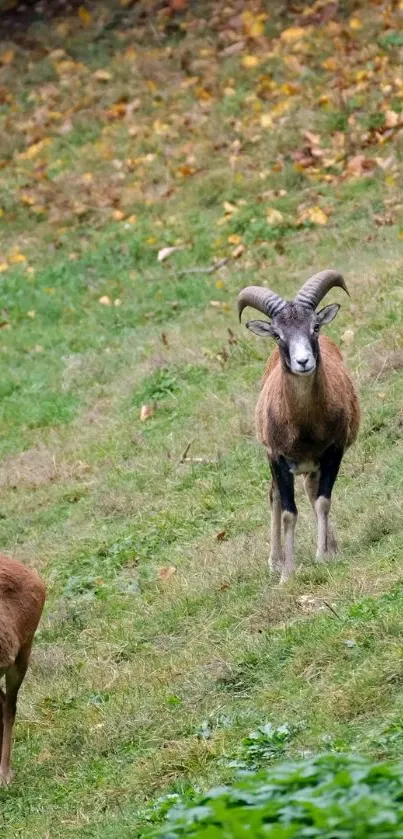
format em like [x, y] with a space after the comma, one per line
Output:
[166, 572]
[7, 57]
[146, 412]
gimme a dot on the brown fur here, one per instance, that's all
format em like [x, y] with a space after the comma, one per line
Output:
[22, 596]
[299, 418]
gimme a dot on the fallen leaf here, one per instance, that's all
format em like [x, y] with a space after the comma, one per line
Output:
[118, 215]
[3, 266]
[230, 208]
[250, 61]
[274, 217]
[6, 57]
[164, 253]
[32, 151]
[102, 75]
[166, 572]
[238, 251]
[347, 337]
[31, 314]
[314, 214]
[16, 256]
[146, 412]
[355, 23]
[105, 300]
[253, 24]
[292, 34]
[221, 535]
[84, 16]
[266, 121]
[392, 119]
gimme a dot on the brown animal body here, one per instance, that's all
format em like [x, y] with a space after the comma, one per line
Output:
[300, 418]
[307, 413]
[22, 596]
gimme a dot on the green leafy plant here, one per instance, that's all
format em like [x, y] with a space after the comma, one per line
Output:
[330, 796]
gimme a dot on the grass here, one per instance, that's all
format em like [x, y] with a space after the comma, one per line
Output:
[164, 641]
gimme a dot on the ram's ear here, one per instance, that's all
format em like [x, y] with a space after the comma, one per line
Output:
[327, 314]
[260, 327]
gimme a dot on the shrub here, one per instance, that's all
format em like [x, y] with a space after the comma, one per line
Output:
[331, 796]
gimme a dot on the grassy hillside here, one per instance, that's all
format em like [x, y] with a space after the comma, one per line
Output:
[264, 145]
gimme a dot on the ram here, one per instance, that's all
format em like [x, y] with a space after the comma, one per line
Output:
[307, 412]
[22, 596]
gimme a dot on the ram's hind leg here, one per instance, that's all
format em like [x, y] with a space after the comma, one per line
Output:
[329, 468]
[311, 483]
[276, 558]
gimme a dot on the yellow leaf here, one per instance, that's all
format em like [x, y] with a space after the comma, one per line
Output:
[249, 61]
[400, 234]
[281, 108]
[253, 24]
[219, 284]
[234, 239]
[314, 214]
[355, 23]
[294, 33]
[3, 266]
[84, 16]
[390, 181]
[229, 208]
[266, 121]
[1, 212]
[273, 216]
[35, 149]
[16, 256]
[31, 314]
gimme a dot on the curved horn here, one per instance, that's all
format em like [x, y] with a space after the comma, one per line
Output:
[313, 291]
[260, 298]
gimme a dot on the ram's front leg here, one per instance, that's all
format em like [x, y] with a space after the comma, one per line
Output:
[284, 481]
[329, 468]
[311, 483]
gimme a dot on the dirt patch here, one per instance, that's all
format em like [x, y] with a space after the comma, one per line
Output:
[37, 467]
[384, 363]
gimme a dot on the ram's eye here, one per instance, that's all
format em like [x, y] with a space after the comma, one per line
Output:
[316, 327]
[275, 335]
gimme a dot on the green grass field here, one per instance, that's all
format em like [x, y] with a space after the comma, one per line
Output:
[164, 641]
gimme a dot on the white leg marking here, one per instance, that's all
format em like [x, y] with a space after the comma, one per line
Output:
[276, 558]
[289, 522]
